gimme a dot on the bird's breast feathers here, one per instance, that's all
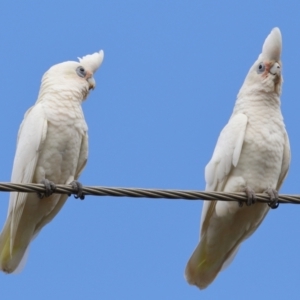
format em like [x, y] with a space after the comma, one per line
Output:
[262, 153]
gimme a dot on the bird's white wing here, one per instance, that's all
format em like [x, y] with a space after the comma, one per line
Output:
[286, 159]
[226, 156]
[83, 155]
[32, 134]
[61, 199]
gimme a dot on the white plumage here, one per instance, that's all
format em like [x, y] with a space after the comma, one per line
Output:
[253, 153]
[52, 144]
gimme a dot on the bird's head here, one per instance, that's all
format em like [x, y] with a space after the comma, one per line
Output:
[265, 74]
[72, 75]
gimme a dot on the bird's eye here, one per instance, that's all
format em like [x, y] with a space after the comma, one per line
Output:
[261, 68]
[81, 71]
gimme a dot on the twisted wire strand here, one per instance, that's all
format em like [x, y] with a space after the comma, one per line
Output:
[145, 193]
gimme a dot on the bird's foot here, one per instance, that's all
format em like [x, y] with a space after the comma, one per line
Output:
[77, 188]
[251, 197]
[273, 198]
[49, 188]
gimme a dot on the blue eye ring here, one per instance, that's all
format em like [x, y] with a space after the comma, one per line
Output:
[81, 72]
[261, 68]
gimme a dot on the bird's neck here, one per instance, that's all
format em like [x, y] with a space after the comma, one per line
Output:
[61, 96]
[257, 101]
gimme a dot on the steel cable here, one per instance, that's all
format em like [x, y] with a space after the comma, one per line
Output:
[145, 193]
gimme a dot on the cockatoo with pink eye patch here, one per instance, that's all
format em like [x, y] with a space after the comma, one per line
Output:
[52, 147]
[252, 155]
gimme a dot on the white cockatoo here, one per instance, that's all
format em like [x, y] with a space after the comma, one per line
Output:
[52, 147]
[252, 155]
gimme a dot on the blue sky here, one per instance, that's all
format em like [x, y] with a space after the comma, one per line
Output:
[167, 86]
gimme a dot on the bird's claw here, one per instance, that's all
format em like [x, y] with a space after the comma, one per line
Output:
[77, 189]
[273, 194]
[49, 188]
[251, 197]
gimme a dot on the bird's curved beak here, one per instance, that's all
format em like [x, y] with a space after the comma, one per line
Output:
[92, 83]
[275, 69]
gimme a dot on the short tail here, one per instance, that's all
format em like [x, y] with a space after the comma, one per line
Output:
[13, 260]
[198, 270]
[205, 264]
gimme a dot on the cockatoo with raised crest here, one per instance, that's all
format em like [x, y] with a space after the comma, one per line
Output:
[252, 155]
[52, 148]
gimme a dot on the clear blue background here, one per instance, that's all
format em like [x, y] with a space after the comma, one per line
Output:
[166, 88]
